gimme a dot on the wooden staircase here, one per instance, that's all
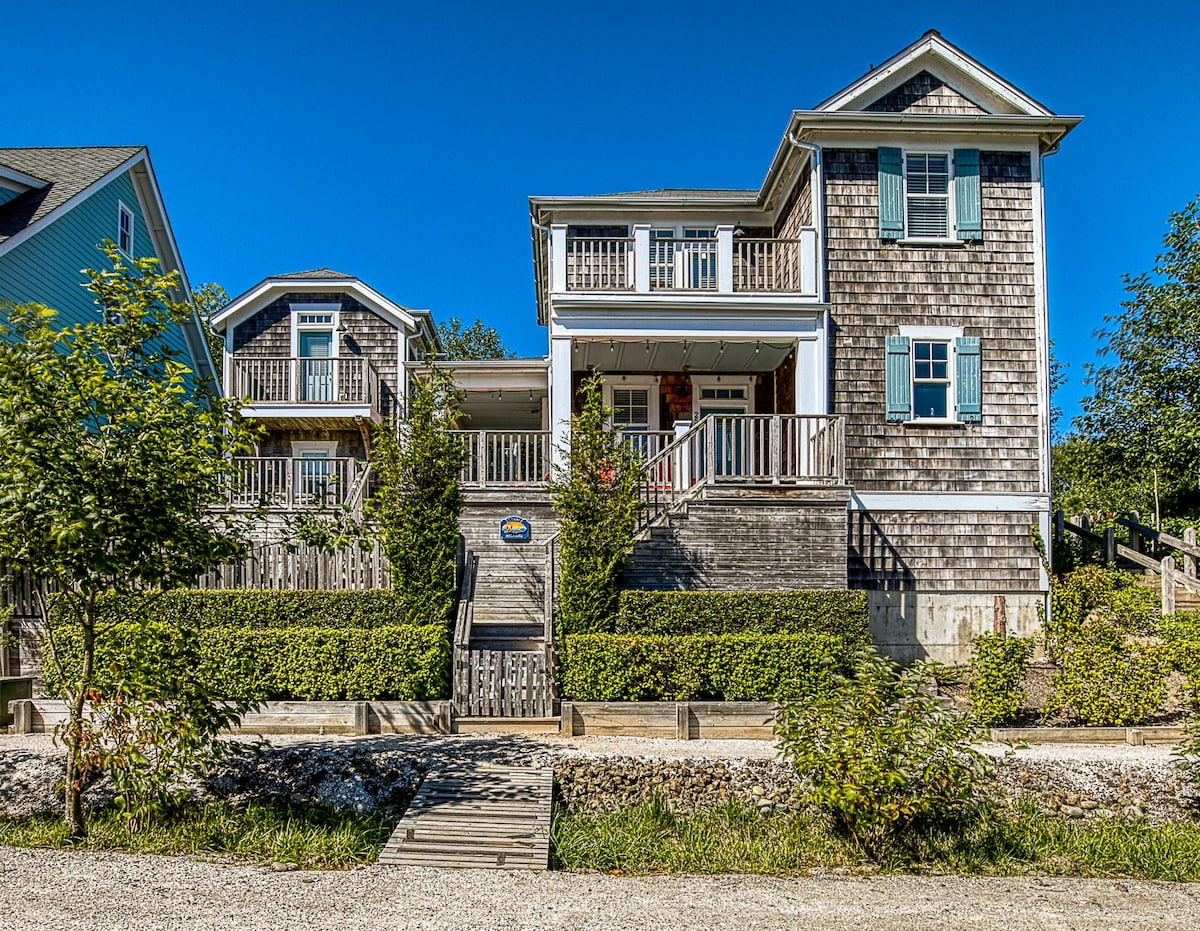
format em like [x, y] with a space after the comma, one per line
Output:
[503, 660]
[486, 817]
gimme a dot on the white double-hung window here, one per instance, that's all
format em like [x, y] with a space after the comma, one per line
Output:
[927, 195]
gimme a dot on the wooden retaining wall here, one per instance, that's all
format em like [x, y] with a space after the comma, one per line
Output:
[678, 720]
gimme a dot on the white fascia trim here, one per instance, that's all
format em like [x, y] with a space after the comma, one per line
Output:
[947, 501]
[872, 84]
[328, 447]
[691, 327]
[317, 411]
[264, 292]
[67, 206]
[22, 180]
[676, 303]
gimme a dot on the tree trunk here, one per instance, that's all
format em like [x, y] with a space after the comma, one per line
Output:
[73, 787]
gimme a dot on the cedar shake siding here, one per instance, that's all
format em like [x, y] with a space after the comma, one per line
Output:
[942, 551]
[925, 93]
[985, 287]
[797, 212]
[269, 333]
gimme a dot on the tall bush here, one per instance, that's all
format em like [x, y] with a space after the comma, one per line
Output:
[418, 502]
[597, 498]
[994, 677]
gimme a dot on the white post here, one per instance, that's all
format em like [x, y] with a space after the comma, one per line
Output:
[808, 261]
[641, 257]
[558, 257]
[560, 400]
[725, 259]
[683, 463]
[1168, 585]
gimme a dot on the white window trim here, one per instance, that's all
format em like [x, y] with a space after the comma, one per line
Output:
[940, 334]
[700, 382]
[297, 326]
[951, 219]
[636, 381]
[124, 211]
[329, 447]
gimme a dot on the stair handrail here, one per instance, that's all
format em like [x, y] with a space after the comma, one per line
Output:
[466, 603]
[658, 498]
[548, 590]
[354, 497]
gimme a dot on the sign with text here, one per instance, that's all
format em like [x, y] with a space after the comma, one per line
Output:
[515, 530]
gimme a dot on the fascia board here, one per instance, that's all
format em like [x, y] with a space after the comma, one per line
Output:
[252, 301]
[20, 178]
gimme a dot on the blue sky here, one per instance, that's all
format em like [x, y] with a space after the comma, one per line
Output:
[399, 141]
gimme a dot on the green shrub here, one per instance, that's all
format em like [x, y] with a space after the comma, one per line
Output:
[730, 667]
[880, 754]
[1110, 678]
[994, 677]
[264, 608]
[1182, 626]
[1073, 597]
[1185, 657]
[304, 664]
[841, 613]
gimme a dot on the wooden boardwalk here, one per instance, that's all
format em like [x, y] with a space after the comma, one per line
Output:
[488, 817]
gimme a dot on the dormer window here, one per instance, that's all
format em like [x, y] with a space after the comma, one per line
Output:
[125, 229]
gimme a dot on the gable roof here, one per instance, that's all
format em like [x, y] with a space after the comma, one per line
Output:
[317, 281]
[64, 173]
[933, 54]
[66, 177]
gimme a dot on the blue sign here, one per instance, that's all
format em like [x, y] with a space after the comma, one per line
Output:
[514, 530]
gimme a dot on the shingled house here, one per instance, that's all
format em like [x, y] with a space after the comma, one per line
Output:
[839, 378]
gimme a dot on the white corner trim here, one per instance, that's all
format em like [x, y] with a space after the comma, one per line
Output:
[948, 501]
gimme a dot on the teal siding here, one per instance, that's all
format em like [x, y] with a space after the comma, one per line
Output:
[45, 267]
[7, 194]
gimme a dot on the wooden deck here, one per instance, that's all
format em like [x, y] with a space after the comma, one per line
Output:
[486, 817]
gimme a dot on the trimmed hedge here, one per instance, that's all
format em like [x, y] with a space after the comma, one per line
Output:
[729, 667]
[265, 609]
[307, 664]
[840, 613]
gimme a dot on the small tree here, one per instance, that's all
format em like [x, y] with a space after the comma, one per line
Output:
[598, 500]
[471, 342]
[419, 463]
[111, 454]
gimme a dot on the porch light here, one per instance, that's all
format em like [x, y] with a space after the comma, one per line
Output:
[757, 346]
[647, 346]
[612, 347]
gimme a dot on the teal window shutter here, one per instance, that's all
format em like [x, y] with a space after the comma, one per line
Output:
[968, 207]
[899, 379]
[891, 193]
[968, 379]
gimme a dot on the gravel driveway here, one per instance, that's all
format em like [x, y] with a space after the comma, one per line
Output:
[62, 891]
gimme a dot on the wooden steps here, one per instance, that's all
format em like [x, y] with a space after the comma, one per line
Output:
[484, 817]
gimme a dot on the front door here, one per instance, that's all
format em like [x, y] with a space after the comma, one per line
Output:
[316, 366]
[728, 441]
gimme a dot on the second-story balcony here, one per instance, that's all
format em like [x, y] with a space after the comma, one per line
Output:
[713, 261]
[306, 389]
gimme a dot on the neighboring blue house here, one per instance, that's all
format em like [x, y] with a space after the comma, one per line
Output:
[58, 204]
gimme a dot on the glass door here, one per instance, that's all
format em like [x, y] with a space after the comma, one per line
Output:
[316, 366]
[312, 479]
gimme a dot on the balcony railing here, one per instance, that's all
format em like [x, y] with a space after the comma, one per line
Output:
[505, 457]
[724, 264]
[291, 484]
[595, 264]
[279, 380]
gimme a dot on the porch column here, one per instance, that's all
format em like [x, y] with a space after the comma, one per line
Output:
[641, 257]
[725, 259]
[558, 257]
[560, 400]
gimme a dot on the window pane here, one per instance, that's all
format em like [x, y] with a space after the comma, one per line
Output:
[631, 406]
[941, 351]
[929, 400]
[922, 351]
[927, 217]
[940, 370]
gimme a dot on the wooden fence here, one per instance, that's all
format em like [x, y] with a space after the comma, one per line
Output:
[299, 566]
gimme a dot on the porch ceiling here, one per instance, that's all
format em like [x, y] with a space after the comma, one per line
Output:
[503, 409]
[679, 355]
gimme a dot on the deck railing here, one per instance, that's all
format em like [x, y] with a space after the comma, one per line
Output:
[286, 483]
[741, 449]
[599, 264]
[505, 457]
[726, 263]
[648, 443]
[289, 380]
[767, 265]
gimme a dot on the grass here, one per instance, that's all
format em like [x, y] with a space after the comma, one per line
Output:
[1001, 841]
[314, 837]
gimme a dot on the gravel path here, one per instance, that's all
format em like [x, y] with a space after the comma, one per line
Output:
[62, 891]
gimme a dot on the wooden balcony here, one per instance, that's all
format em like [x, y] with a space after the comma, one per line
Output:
[289, 484]
[723, 264]
[306, 389]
